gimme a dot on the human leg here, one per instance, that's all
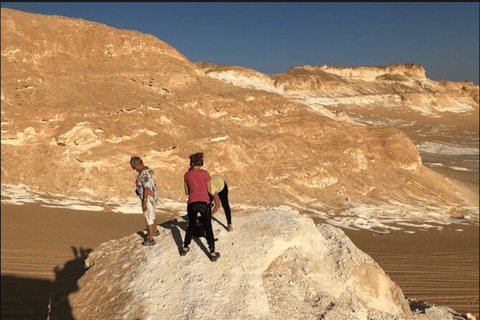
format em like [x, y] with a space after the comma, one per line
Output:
[150, 221]
[192, 220]
[223, 195]
[156, 232]
[151, 231]
[206, 216]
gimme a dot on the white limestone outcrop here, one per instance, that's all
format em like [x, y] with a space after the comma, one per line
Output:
[276, 264]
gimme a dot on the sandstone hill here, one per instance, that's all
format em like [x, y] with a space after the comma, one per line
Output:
[78, 99]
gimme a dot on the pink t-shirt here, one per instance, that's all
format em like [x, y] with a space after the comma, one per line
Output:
[196, 180]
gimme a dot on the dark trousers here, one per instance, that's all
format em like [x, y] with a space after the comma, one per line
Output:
[223, 195]
[206, 217]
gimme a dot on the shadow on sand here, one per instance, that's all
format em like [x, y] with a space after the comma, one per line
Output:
[30, 298]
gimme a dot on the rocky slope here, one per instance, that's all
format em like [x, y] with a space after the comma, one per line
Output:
[79, 99]
[276, 264]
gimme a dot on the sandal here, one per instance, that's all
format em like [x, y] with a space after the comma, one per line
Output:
[184, 251]
[157, 233]
[148, 242]
[214, 256]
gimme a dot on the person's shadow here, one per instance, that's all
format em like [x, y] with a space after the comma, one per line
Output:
[174, 226]
[218, 221]
[25, 298]
[65, 283]
[31, 299]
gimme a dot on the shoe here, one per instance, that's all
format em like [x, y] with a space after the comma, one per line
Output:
[148, 242]
[184, 251]
[230, 227]
[214, 256]
[157, 233]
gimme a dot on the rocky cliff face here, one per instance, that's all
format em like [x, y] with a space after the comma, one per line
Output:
[397, 71]
[80, 98]
[399, 86]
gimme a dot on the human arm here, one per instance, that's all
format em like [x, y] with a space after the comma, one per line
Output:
[216, 201]
[145, 198]
[185, 184]
[147, 185]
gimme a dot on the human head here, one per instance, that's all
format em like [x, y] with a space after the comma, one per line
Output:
[135, 161]
[196, 159]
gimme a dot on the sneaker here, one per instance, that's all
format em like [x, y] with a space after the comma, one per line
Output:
[157, 233]
[148, 242]
[230, 227]
[184, 251]
[214, 256]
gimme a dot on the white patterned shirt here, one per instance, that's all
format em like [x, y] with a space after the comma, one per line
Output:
[146, 179]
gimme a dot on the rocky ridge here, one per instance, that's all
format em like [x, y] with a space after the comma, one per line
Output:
[80, 98]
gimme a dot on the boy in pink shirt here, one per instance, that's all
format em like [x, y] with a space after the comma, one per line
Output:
[197, 187]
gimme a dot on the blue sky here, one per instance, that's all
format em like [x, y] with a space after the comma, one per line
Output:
[272, 37]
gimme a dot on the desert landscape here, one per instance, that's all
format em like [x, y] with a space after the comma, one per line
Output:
[354, 190]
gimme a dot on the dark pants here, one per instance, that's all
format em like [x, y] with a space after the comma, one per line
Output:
[223, 195]
[205, 212]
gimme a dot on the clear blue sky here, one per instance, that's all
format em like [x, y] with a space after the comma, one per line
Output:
[272, 37]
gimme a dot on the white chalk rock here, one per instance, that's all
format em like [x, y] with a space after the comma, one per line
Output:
[78, 135]
[277, 264]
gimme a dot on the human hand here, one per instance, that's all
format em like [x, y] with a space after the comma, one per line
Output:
[144, 206]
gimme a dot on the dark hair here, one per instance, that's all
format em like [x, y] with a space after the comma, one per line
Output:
[195, 160]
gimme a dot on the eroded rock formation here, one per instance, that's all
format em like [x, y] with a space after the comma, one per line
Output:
[80, 98]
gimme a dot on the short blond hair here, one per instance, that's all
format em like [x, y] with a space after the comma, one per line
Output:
[135, 160]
